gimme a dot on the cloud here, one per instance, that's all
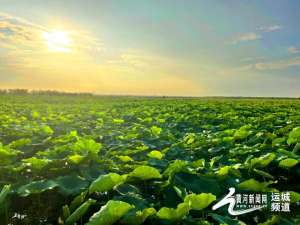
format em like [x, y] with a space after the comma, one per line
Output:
[246, 37]
[90, 66]
[278, 64]
[15, 33]
[18, 20]
[19, 34]
[252, 59]
[137, 60]
[271, 28]
[23, 40]
[253, 36]
[28, 62]
[261, 66]
[293, 50]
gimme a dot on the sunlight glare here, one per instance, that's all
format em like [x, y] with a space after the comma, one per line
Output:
[57, 41]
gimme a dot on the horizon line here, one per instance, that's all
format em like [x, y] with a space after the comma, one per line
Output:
[58, 92]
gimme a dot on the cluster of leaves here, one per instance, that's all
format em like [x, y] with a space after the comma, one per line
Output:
[107, 160]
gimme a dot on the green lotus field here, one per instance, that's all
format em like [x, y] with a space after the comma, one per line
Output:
[139, 160]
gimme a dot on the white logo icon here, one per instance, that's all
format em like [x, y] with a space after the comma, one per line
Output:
[230, 199]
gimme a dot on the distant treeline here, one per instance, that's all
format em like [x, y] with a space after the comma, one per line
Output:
[20, 91]
[39, 92]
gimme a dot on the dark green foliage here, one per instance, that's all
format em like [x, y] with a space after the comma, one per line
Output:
[105, 160]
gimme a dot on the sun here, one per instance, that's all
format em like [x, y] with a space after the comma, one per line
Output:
[57, 41]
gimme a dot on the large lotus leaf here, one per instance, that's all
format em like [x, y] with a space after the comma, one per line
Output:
[278, 141]
[175, 167]
[46, 130]
[6, 154]
[288, 163]
[254, 185]
[189, 138]
[168, 213]
[288, 153]
[87, 146]
[35, 114]
[197, 184]
[262, 161]
[200, 163]
[295, 197]
[223, 171]
[242, 133]
[125, 158]
[174, 214]
[92, 172]
[76, 158]
[160, 164]
[137, 200]
[67, 138]
[199, 202]
[19, 143]
[145, 173]
[118, 121]
[36, 187]
[106, 182]
[110, 213]
[79, 212]
[137, 217]
[155, 154]
[155, 130]
[36, 163]
[294, 136]
[71, 185]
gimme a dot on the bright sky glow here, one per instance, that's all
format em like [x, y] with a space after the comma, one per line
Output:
[57, 41]
[170, 47]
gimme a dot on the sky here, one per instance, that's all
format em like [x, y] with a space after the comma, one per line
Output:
[152, 47]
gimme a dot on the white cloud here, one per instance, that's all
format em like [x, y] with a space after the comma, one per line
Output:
[278, 64]
[270, 28]
[293, 50]
[267, 65]
[246, 37]
[252, 36]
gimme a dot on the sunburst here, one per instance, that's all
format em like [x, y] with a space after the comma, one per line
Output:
[57, 41]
